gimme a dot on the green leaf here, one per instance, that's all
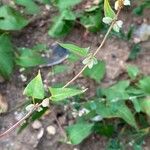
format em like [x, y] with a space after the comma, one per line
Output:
[78, 132]
[37, 115]
[140, 9]
[92, 20]
[40, 47]
[75, 49]
[65, 4]
[62, 24]
[116, 92]
[104, 129]
[58, 94]
[60, 69]
[30, 6]
[114, 144]
[116, 109]
[108, 11]
[97, 72]
[145, 105]
[136, 48]
[29, 58]
[73, 57]
[124, 112]
[136, 104]
[35, 88]
[10, 19]
[133, 71]
[6, 56]
[144, 84]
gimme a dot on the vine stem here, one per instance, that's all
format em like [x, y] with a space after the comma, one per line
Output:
[20, 121]
[73, 79]
[97, 50]
[68, 83]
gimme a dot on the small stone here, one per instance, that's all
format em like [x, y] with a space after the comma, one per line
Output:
[23, 78]
[51, 130]
[142, 33]
[3, 104]
[21, 69]
[96, 2]
[47, 7]
[40, 134]
[75, 149]
[36, 124]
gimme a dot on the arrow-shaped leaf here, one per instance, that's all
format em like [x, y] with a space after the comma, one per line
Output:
[108, 11]
[78, 132]
[35, 88]
[58, 94]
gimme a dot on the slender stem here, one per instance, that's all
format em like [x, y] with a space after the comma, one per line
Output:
[68, 83]
[98, 49]
[59, 125]
[106, 35]
[73, 79]
[20, 121]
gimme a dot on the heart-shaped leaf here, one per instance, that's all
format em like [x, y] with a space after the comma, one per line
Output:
[108, 11]
[78, 132]
[10, 19]
[58, 94]
[6, 56]
[75, 49]
[97, 72]
[30, 6]
[35, 88]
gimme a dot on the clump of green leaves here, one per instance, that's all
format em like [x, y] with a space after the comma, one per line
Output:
[121, 101]
[6, 56]
[62, 24]
[140, 8]
[110, 102]
[11, 19]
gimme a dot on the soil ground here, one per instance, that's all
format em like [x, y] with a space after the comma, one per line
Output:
[115, 52]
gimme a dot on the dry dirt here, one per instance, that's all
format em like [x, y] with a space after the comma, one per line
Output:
[115, 52]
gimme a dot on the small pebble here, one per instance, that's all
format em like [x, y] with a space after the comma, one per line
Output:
[142, 33]
[21, 69]
[75, 149]
[51, 130]
[36, 124]
[40, 134]
[47, 7]
[23, 78]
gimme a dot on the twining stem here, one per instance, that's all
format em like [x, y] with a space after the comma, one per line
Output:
[68, 83]
[106, 35]
[20, 121]
[73, 79]
[97, 50]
